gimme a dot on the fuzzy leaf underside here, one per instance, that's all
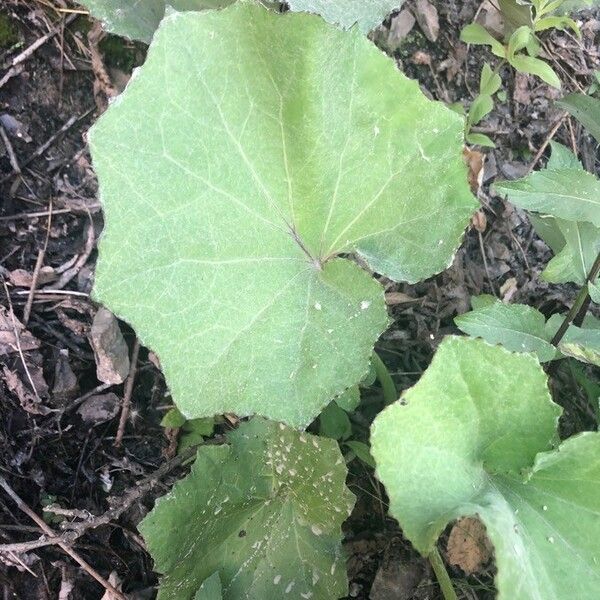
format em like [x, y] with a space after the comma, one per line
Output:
[139, 19]
[474, 437]
[345, 13]
[265, 513]
[248, 153]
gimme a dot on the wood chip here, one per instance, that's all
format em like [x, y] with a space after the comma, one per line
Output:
[468, 545]
[110, 349]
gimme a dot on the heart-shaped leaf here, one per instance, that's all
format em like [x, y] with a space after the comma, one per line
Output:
[463, 442]
[265, 512]
[249, 155]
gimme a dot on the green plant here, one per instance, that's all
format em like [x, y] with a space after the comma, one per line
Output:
[257, 172]
[520, 49]
[139, 20]
[477, 436]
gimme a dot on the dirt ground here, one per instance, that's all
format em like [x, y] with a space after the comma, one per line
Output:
[59, 417]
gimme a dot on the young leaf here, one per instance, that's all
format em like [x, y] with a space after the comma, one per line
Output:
[264, 512]
[481, 107]
[567, 193]
[489, 82]
[361, 451]
[462, 442]
[249, 152]
[138, 20]
[562, 157]
[517, 327]
[474, 33]
[585, 109]
[535, 66]
[345, 13]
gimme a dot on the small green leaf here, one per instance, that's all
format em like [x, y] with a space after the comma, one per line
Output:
[482, 301]
[562, 158]
[535, 66]
[517, 327]
[489, 82]
[481, 107]
[334, 423]
[479, 139]
[463, 441]
[515, 13]
[194, 431]
[211, 588]
[585, 109]
[264, 512]
[362, 452]
[350, 399]
[518, 40]
[475, 33]
[560, 22]
[173, 419]
[233, 197]
[345, 13]
[547, 228]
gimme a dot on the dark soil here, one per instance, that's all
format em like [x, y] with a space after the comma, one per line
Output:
[49, 455]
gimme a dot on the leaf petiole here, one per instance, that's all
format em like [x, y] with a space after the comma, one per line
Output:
[439, 568]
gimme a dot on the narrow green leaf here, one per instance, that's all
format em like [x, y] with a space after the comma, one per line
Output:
[345, 13]
[518, 40]
[489, 82]
[517, 327]
[479, 139]
[264, 512]
[560, 22]
[462, 442]
[231, 196]
[474, 33]
[481, 107]
[585, 109]
[537, 67]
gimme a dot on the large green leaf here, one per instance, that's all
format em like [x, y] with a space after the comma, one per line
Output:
[517, 327]
[265, 512]
[138, 19]
[562, 190]
[249, 154]
[585, 109]
[464, 441]
[346, 13]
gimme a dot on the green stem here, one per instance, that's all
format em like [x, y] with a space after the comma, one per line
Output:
[439, 568]
[580, 304]
[385, 379]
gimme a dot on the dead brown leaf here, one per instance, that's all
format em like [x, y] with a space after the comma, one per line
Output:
[428, 20]
[110, 349]
[13, 334]
[468, 545]
[99, 408]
